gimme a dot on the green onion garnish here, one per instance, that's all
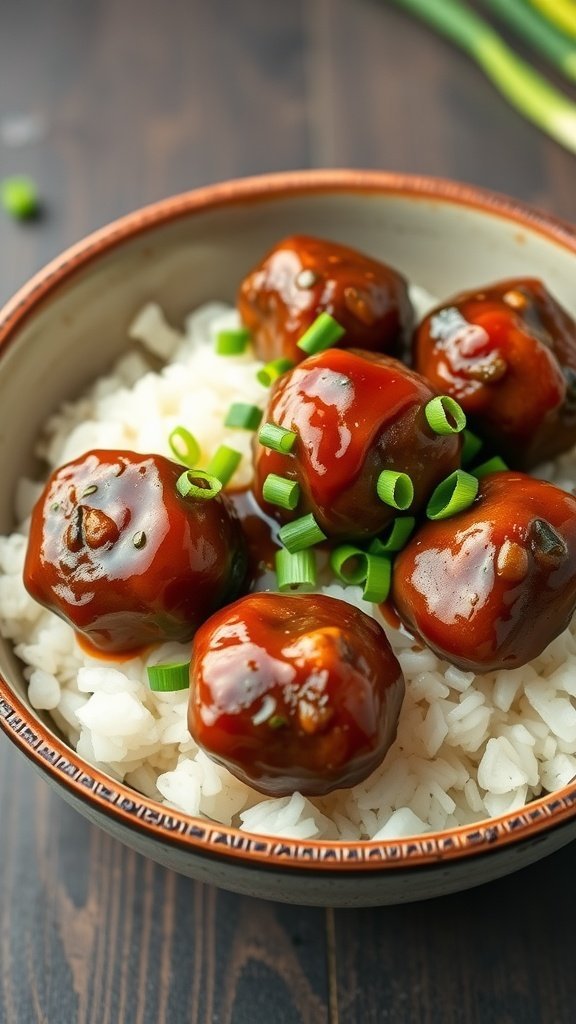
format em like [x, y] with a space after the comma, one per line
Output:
[561, 12]
[224, 463]
[268, 374]
[452, 495]
[195, 483]
[243, 416]
[295, 569]
[378, 579]
[470, 447]
[278, 438]
[395, 489]
[349, 563]
[232, 342]
[278, 490]
[493, 465]
[322, 334]
[301, 533]
[19, 197]
[185, 446]
[394, 538]
[539, 32]
[170, 677]
[444, 415]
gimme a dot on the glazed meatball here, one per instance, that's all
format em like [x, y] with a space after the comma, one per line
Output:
[294, 693]
[507, 353]
[117, 552]
[302, 277]
[491, 587]
[355, 414]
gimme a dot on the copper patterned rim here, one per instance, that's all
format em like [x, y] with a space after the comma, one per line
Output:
[125, 805]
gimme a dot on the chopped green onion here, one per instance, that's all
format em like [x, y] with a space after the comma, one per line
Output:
[185, 446]
[170, 677]
[277, 490]
[232, 342]
[194, 483]
[394, 538]
[268, 374]
[470, 447]
[444, 415]
[452, 495]
[277, 722]
[278, 438]
[493, 465]
[539, 32]
[301, 533]
[224, 463]
[322, 334]
[243, 416]
[395, 489]
[19, 197]
[378, 579]
[348, 563]
[295, 569]
[561, 13]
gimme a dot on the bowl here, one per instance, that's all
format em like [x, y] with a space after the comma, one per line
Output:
[66, 326]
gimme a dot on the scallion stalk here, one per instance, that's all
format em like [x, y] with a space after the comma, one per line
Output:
[301, 533]
[395, 537]
[279, 439]
[561, 12]
[232, 342]
[470, 447]
[395, 489]
[349, 563]
[271, 371]
[195, 483]
[538, 31]
[184, 446]
[452, 495]
[378, 579]
[493, 465]
[444, 415]
[169, 678]
[243, 416]
[295, 569]
[278, 490]
[224, 463]
[322, 334]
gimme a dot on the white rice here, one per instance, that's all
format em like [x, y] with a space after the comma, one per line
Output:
[468, 747]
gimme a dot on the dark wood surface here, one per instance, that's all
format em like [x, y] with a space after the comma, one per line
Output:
[141, 99]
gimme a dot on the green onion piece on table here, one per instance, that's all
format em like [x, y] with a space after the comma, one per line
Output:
[536, 30]
[301, 533]
[378, 579]
[395, 537]
[170, 677]
[470, 447]
[195, 483]
[271, 371]
[349, 563]
[19, 197]
[278, 438]
[452, 495]
[224, 463]
[278, 490]
[322, 334]
[395, 489]
[444, 415]
[243, 416]
[232, 342]
[493, 465]
[295, 569]
[184, 446]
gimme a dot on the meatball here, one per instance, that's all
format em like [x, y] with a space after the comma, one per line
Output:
[117, 552]
[355, 414]
[491, 349]
[491, 587]
[303, 277]
[294, 693]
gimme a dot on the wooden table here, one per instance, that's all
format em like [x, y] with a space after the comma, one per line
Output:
[137, 100]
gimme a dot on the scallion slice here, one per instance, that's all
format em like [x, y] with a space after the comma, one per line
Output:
[280, 491]
[322, 334]
[295, 569]
[378, 579]
[224, 463]
[232, 342]
[444, 415]
[493, 465]
[243, 416]
[19, 197]
[278, 438]
[301, 533]
[269, 373]
[395, 536]
[185, 446]
[195, 483]
[452, 495]
[395, 489]
[470, 447]
[170, 677]
[348, 563]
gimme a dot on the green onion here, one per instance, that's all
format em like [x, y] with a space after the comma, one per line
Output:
[444, 415]
[243, 416]
[561, 12]
[493, 465]
[470, 447]
[395, 489]
[453, 495]
[527, 91]
[378, 579]
[269, 373]
[277, 490]
[194, 483]
[301, 533]
[395, 537]
[348, 563]
[278, 438]
[185, 446]
[19, 198]
[295, 569]
[170, 677]
[232, 342]
[538, 32]
[224, 463]
[322, 334]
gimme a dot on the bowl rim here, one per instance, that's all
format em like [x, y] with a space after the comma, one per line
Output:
[118, 801]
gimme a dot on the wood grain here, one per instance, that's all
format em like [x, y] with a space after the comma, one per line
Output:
[141, 100]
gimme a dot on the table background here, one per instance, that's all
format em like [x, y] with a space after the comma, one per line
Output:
[140, 99]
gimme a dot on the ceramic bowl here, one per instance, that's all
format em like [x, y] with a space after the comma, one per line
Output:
[68, 324]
